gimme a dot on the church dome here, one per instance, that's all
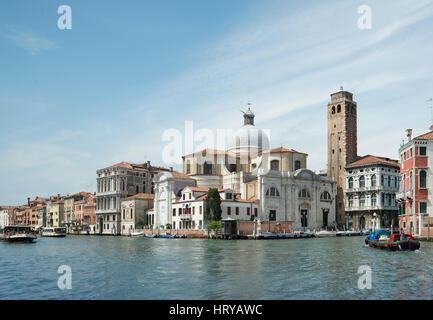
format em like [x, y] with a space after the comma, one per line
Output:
[248, 139]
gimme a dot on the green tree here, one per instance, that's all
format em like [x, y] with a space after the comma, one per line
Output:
[213, 205]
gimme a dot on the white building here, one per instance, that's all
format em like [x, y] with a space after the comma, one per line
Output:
[116, 183]
[275, 182]
[4, 217]
[188, 212]
[371, 186]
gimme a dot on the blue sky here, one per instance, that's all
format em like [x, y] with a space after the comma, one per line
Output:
[73, 101]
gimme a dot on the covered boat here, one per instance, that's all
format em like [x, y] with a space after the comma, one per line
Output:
[384, 239]
[20, 233]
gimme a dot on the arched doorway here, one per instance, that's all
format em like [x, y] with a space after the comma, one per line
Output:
[325, 213]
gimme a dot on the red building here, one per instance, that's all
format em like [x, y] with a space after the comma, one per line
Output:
[416, 209]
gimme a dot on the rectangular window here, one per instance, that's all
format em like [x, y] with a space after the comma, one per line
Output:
[229, 211]
[423, 207]
[193, 210]
[255, 212]
[183, 197]
[190, 196]
[237, 211]
[248, 211]
[422, 151]
[411, 152]
[200, 209]
[174, 212]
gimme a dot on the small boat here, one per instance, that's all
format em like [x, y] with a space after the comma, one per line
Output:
[18, 234]
[349, 234]
[137, 234]
[383, 239]
[167, 236]
[325, 234]
[151, 236]
[54, 232]
[295, 235]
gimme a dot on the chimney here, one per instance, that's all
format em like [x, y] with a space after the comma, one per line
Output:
[28, 201]
[171, 169]
[148, 164]
[409, 134]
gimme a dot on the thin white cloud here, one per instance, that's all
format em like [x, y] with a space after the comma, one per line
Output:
[31, 42]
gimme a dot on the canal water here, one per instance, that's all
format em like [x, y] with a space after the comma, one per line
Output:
[140, 268]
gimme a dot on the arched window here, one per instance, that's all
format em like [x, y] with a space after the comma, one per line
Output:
[410, 181]
[333, 110]
[373, 200]
[304, 194]
[350, 201]
[297, 165]
[338, 109]
[275, 165]
[325, 196]
[422, 179]
[188, 167]
[350, 183]
[361, 181]
[362, 200]
[273, 192]
[137, 189]
[373, 180]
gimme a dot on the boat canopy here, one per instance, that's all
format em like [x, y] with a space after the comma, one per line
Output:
[376, 234]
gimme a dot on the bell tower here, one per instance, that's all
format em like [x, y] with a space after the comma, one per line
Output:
[342, 143]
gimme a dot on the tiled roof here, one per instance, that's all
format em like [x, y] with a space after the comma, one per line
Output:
[146, 196]
[252, 200]
[137, 166]
[369, 159]
[179, 175]
[425, 136]
[283, 150]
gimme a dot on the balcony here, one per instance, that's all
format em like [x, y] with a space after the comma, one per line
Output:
[185, 216]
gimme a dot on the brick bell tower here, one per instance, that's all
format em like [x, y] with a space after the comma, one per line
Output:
[342, 143]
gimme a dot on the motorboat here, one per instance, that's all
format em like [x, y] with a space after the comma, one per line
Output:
[20, 233]
[325, 234]
[57, 232]
[137, 234]
[349, 234]
[384, 239]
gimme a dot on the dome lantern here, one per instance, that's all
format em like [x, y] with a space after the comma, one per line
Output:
[248, 116]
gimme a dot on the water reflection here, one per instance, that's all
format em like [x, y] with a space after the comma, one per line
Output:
[139, 268]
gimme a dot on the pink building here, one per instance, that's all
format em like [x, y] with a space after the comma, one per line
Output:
[90, 209]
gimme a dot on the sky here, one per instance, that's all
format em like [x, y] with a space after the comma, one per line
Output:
[108, 90]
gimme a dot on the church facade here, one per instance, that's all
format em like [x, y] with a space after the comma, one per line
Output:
[265, 184]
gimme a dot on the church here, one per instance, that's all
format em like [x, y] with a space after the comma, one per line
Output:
[255, 182]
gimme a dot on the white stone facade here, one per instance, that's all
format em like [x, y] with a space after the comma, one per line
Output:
[4, 218]
[301, 196]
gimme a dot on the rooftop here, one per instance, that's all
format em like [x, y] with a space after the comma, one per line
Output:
[145, 196]
[369, 159]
